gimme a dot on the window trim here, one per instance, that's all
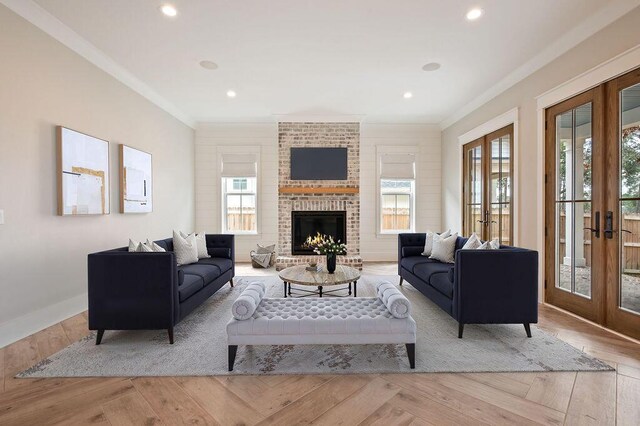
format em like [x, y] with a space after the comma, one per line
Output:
[386, 149]
[219, 211]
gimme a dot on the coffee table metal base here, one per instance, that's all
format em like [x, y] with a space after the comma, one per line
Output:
[302, 292]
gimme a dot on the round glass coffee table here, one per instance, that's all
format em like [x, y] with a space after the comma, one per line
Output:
[320, 279]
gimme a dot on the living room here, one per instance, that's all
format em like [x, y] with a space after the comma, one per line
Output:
[317, 212]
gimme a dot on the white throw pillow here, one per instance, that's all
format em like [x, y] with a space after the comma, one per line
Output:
[444, 248]
[133, 246]
[186, 249]
[472, 243]
[428, 242]
[201, 242]
[490, 245]
[143, 248]
[154, 246]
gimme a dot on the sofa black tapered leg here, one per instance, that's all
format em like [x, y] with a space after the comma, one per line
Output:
[99, 336]
[233, 349]
[231, 282]
[401, 279]
[460, 330]
[527, 328]
[411, 353]
[170, 330]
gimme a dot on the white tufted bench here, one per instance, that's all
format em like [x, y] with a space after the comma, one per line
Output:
[365, 320]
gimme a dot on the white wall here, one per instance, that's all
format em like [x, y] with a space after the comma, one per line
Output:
[249, 136]
[424, 137]
[259, 138]
[43, 256]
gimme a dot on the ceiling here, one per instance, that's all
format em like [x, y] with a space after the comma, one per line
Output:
[324, 57]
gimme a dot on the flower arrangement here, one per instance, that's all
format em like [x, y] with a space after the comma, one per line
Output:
[324, 244]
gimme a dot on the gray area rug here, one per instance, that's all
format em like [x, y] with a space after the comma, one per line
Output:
[201, 347]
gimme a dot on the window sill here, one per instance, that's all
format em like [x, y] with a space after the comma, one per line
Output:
[392, 234]
[243, 234]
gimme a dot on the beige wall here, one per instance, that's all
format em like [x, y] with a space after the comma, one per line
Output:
[263, 138]
[43, 257]
[606, 44]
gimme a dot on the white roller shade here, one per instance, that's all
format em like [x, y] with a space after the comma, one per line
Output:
[398, 166]
[239, 165]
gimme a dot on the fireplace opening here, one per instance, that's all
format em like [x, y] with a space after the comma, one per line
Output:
[309, 223]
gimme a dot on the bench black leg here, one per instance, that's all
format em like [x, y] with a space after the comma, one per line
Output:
[99, 336]
[233, 349]
[411, 353]
[527, 328]
[460, 330]
[401, 279]
[170, 330]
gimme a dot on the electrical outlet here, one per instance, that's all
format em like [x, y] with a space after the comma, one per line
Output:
[1, 217]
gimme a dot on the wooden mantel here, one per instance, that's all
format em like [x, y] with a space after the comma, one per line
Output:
[318, 190]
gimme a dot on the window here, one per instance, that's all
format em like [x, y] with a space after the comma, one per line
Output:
[397, 190]
[396, 201]
[239, 205]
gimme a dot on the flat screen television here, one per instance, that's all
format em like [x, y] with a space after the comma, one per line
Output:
[319, 163]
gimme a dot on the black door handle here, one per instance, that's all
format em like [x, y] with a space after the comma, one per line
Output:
[608, 225]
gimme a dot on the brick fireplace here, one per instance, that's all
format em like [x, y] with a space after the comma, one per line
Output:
[318, 196]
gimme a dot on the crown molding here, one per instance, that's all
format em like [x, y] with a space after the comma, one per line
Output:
[575, 36]
[51, 25]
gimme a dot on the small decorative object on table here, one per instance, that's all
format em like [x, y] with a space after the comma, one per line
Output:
[313, 266]
[324, 244]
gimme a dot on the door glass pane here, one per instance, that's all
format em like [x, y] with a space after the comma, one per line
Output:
[500, 187]
[573, 207]
[629, 235]
[582, 249]
[473, 207]
[563, 263]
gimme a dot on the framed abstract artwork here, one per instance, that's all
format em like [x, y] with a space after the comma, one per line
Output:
[83, 173]
[136, 181]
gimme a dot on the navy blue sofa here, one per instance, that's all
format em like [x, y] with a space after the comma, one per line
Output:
[481, 287]
[148, 291]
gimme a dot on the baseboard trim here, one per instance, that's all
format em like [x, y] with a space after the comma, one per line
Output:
[26, 325]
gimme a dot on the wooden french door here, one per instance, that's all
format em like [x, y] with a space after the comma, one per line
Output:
[622, 218]
[574, 204]
[487, 186]
[592, 204]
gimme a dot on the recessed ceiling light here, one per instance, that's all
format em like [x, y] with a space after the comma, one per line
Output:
[474, 14]
[431, 66]
[210, 65]
[169, 10]
[407, 95]
[231, 94]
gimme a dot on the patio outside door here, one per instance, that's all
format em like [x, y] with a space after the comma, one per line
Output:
[574, 205]
[487, 186]
[622, 219]
[592, 196]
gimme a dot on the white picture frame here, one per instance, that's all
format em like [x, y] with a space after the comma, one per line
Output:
[83, 173]
[136, 180]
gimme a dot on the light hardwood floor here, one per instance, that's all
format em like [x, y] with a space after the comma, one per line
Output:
[385, 399]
